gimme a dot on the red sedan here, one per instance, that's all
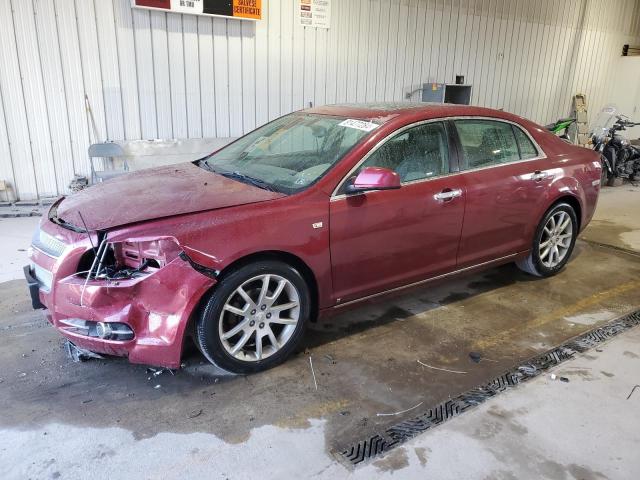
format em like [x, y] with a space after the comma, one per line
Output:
[316, 210]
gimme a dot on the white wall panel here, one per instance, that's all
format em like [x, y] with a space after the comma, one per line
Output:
[207, 79]
[161, 74]
[6, 167]
[34, 99]
[234, 33]
[54, 93]
[192, 76]
[145, 73]
[158, 75]
[175, 47]
[128, 72]
[110, 69]
[71, 65]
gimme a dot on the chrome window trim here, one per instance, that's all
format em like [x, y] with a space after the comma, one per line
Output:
[541, 154]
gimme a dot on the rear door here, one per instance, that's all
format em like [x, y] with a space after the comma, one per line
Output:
[505, 180]
[385, 239]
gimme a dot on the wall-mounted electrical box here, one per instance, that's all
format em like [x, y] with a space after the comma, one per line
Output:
[447, 93]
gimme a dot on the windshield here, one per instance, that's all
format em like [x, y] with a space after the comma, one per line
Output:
[290, 153]
[604, 121]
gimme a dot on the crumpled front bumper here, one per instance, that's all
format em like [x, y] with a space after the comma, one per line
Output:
[157, 306]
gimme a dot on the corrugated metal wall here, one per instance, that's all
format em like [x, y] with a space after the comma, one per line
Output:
[157, 75]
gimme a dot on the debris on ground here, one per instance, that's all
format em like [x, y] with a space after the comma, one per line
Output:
[313, 373]
[330, 358]
[157, 386]
[78, 354]
[632, 390]
[154, 372]
[441, 369]
[477, 358]
[398, 413]
[553, 376]
[195, 413]
[345, 413]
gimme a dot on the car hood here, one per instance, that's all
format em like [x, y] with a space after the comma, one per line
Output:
[156, 193]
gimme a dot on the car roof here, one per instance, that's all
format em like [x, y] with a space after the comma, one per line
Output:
[382, 112]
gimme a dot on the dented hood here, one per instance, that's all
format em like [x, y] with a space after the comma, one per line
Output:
[156, 193]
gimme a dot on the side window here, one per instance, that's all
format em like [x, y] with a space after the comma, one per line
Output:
[417, 153]
[487, 142]
[527, 149]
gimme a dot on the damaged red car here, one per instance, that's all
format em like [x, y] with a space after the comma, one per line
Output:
[314, 211]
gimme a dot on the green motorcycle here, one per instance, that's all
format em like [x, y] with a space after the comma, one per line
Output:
[561, 128]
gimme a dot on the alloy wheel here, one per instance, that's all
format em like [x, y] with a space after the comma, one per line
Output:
[556, 239]
[259, 317]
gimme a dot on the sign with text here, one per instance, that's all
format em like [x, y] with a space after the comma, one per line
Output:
[241, 9]
[314, 13]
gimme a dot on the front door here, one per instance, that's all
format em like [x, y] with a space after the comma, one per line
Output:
[385, 239]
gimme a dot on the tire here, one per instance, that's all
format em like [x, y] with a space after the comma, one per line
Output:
[604, 176]
[233, 314]
[537, 262]
[614, 181]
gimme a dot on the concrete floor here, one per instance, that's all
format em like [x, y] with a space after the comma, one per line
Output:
[105, 419]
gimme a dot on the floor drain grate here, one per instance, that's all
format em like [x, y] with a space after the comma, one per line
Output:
[401, 432]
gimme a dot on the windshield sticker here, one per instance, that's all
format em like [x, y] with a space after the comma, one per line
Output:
[359, 125]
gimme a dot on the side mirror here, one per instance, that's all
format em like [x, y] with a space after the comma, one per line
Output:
[374, 178]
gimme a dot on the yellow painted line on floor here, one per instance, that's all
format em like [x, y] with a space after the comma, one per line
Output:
[559, 313]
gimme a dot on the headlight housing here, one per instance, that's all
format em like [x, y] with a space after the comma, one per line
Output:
[127, 259]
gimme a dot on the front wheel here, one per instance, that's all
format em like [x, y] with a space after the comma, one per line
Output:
[553, 242]
[255, 317]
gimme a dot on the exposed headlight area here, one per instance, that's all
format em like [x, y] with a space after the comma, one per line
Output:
[127, 259]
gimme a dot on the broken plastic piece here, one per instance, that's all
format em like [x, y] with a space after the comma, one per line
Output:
[313, 373]
[398, 413]
[78, 354]
[529, 370]
[441, 369]
[207, 272]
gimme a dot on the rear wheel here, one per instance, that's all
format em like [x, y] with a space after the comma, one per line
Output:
[254, 317]
[553, 242]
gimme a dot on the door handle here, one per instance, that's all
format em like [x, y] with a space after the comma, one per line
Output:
[539, 175]
[448, 194]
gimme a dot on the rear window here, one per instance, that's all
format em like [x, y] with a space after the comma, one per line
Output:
[486, 142]
[491, 142]
[527, 148]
